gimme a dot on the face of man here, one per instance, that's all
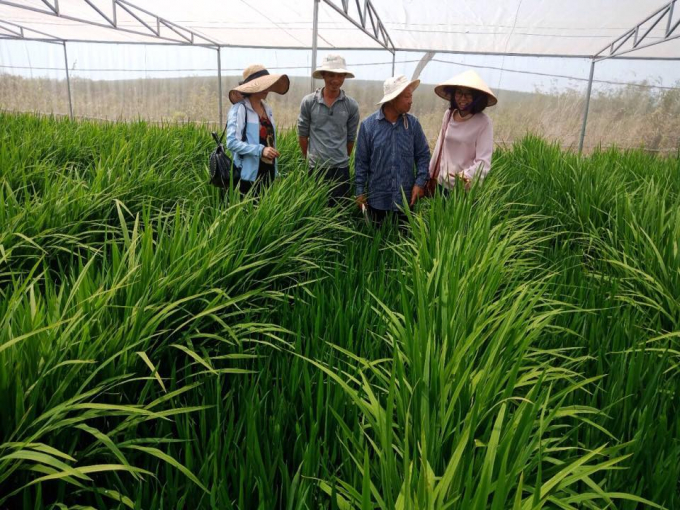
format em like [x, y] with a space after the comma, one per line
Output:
[402, 103]
[333, 81]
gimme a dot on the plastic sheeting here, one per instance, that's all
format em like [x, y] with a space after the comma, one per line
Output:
[634, 102]
[514, 27]
[523, 27]
[33, 77]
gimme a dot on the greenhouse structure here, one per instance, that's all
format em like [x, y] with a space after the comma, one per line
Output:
[366, 334]
[532, 32]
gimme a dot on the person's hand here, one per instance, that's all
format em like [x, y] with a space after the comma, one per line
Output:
[417, 193]
[270, 153]
[467, 182]
[361, 200]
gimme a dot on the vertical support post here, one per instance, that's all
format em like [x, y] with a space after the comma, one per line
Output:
[585, 112]
[68, 84]
[394, 61]
[219, 85]
[315, 34]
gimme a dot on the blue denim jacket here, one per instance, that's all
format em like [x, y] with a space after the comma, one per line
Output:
[385, 158]
[247, 154]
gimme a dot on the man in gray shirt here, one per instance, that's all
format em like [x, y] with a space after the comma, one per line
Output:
[327, 126]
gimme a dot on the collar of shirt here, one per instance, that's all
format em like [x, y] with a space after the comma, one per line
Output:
[249, 106]
[381, 114]
[402, 117]
[319, 96]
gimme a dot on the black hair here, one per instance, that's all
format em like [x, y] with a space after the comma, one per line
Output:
[479, 100]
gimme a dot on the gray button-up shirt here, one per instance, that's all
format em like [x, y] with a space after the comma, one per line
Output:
[329, 129]
[389, 159]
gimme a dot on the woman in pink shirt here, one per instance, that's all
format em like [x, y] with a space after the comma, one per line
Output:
[465, 143]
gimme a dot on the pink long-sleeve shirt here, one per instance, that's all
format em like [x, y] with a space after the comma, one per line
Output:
[467, 149]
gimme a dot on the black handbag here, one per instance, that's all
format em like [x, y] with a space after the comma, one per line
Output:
[223, 172]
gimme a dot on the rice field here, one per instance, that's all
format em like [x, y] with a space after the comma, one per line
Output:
[163, 346]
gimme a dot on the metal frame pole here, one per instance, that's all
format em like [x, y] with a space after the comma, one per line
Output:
[394, 61]
[315, 33]
[219, 84]
[585, 112]
[68, 83]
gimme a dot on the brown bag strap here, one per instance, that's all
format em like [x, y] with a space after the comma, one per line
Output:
[443, 130]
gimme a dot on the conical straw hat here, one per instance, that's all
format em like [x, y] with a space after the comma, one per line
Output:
[469, 79]
[257, 79]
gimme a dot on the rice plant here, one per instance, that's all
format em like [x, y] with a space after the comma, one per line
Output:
[163, 345]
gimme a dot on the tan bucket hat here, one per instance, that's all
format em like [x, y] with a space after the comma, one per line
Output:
[257, 79]
[468, 79]
[332, 64]
[396, 85]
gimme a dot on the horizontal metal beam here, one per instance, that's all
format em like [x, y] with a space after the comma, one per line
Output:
[523, 55]
[618, 55]
[621, 46]
[22, 29]
[15, 32]
[369, 23]
[137, 43]
[367, 15]
[493, 53]
[622, 56]
[173, 26]
[188, 37]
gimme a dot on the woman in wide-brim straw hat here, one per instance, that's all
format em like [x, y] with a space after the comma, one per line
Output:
[251, 132]
[465, 143]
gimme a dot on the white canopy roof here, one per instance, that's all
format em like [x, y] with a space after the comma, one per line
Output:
[574, 28]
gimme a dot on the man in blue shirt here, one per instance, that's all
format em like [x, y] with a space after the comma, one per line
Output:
[392, 156]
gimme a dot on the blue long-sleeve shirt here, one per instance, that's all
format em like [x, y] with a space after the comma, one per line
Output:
[385, 157]
[247, 152]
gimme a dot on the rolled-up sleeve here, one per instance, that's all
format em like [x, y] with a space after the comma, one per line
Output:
[304, 119]
[362, 160]
[421, 155]
[235, 123]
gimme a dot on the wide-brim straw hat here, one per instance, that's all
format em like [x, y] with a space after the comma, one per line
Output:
[468, 79]
[396, 85]
[257, 79]
[332, 64]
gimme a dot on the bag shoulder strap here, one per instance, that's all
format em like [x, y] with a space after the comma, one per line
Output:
[245, 122]
[243, 133]
[444, 128]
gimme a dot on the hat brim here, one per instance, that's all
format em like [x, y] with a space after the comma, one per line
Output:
[392, 95]
[317, 72]
[279, 83]
[440, 90]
